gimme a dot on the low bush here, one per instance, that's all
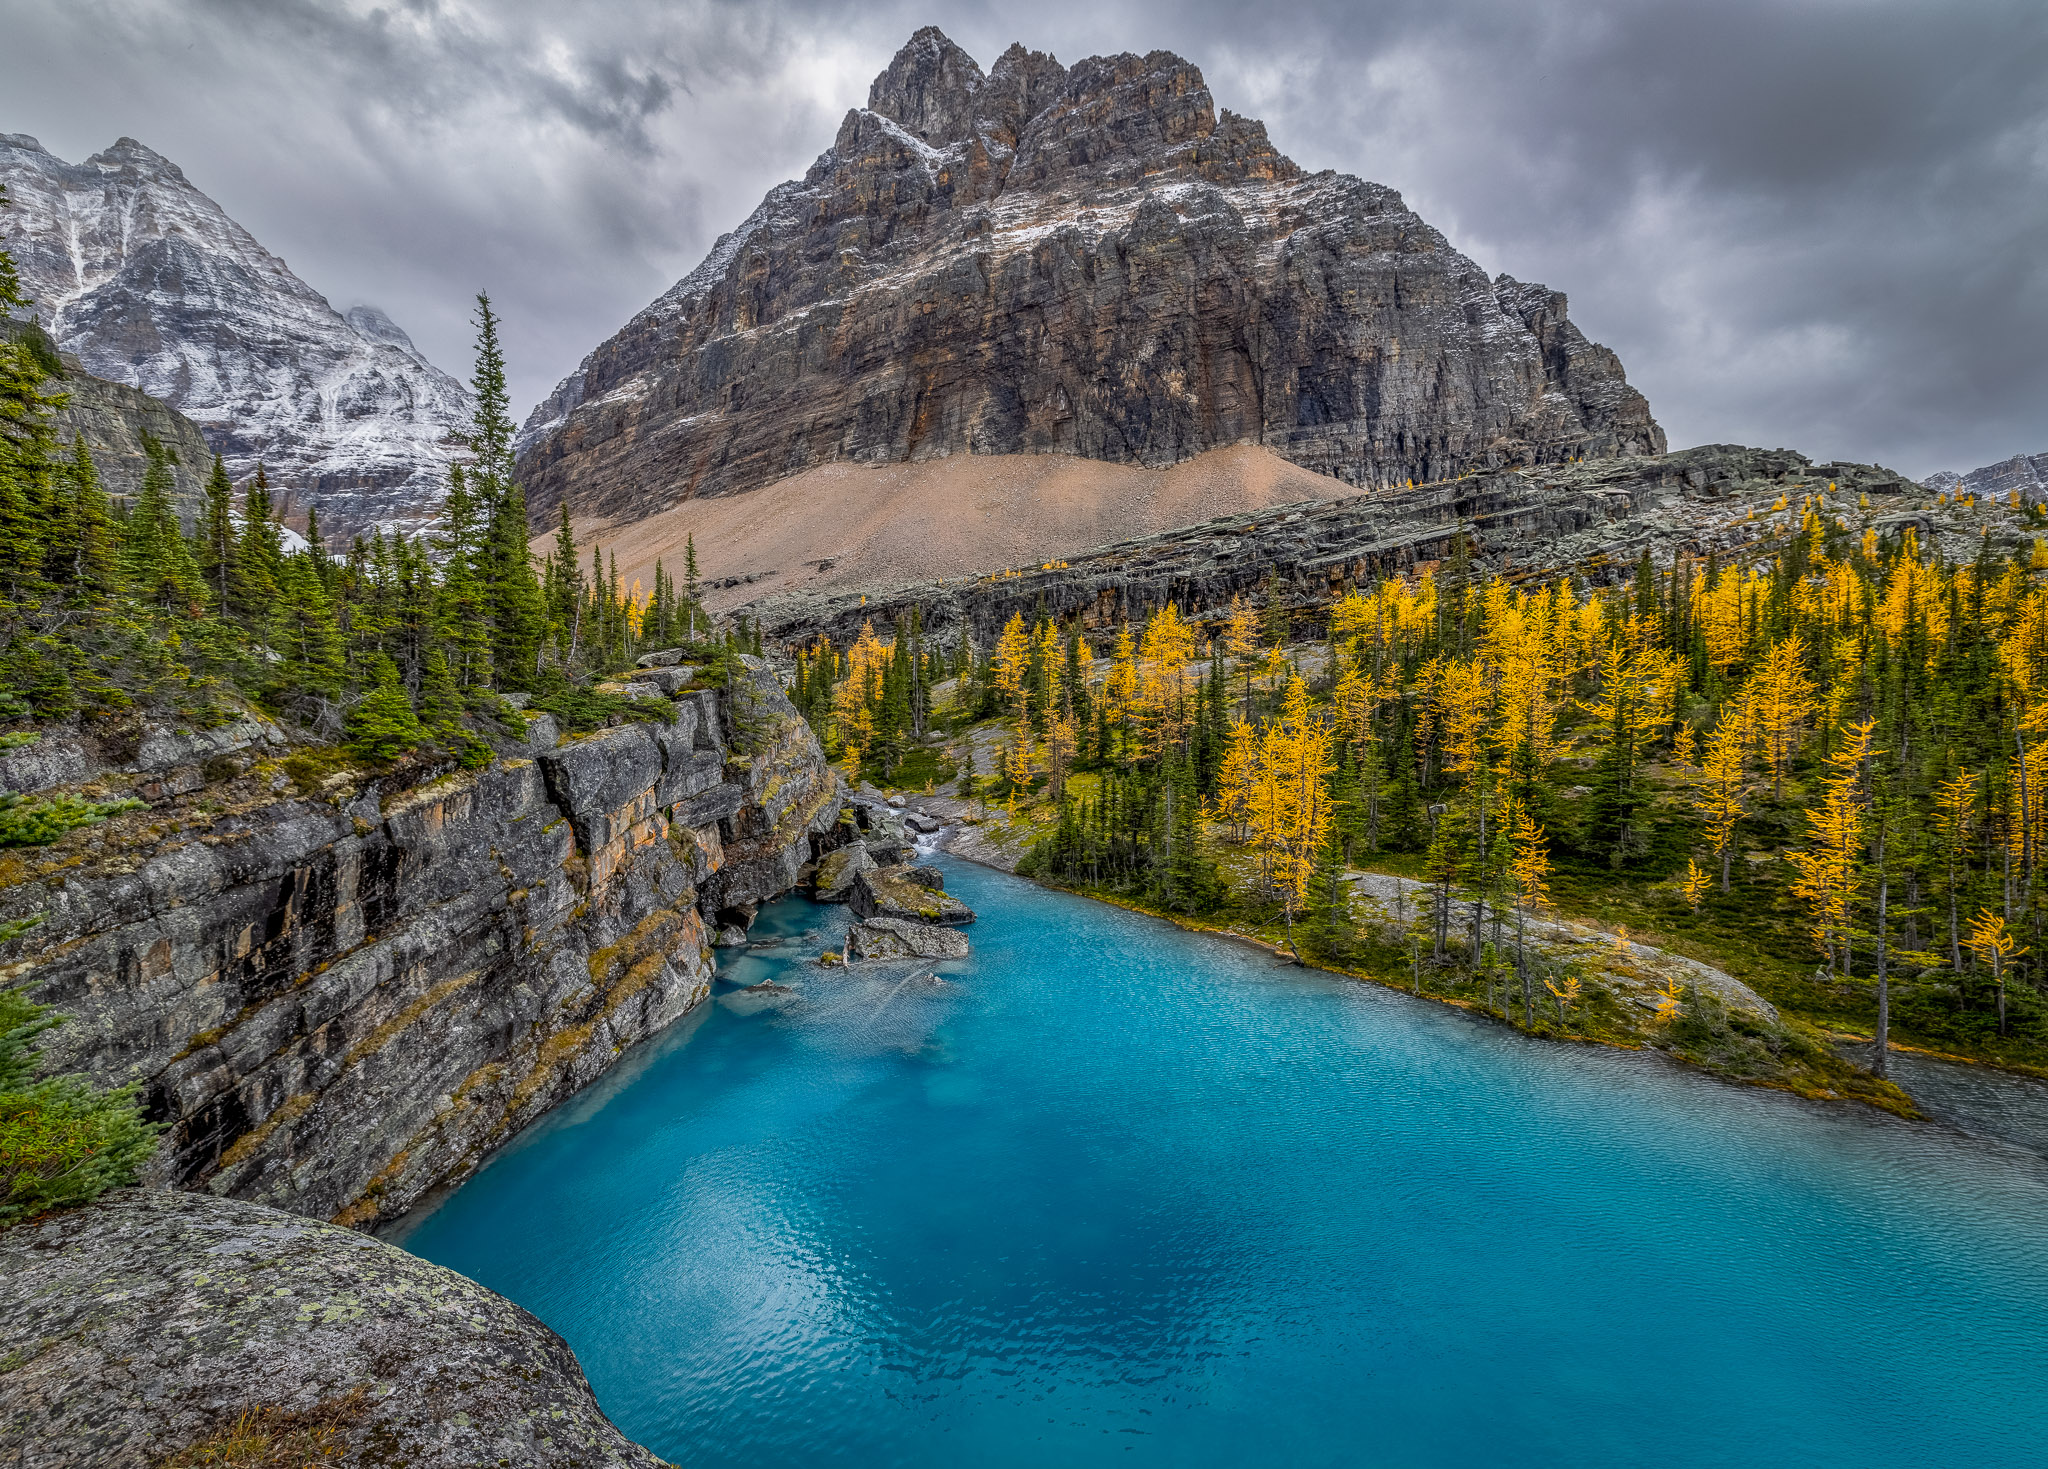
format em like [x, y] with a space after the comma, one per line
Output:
[26, 823]
[62, 1143]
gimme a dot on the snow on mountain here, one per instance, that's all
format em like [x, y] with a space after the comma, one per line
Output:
[2027, 473]
[151, 283]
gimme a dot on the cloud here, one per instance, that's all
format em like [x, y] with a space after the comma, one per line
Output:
[1803, 222]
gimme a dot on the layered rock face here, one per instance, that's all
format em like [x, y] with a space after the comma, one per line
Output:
[340, 998]
[1088, 260]
[1593, 520]
[139, 1327]
[151, 284]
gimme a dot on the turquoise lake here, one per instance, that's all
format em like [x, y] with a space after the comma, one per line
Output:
[1110, 1193]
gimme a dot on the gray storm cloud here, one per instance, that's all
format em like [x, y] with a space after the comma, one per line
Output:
[1815, 223]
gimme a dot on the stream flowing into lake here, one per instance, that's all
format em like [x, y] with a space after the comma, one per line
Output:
[1110, 1193]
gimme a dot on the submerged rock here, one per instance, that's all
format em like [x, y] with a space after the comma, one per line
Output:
[140, 1326]
[895, 938]
[891, 892]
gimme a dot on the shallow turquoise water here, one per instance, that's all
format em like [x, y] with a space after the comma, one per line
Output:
[1113, 1193]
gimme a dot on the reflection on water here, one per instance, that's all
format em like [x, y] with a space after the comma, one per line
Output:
[1108, 1192]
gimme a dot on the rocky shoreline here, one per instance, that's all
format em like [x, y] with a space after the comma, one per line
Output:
[342, 989]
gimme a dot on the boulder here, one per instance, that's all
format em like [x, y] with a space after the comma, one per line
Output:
[671, 681]
[891, 851]
[146, 1325]
[732, 936]
[919, 822]
[890, 892]
[928, 877]
[894, 938]
[837, 872]
[666, 658]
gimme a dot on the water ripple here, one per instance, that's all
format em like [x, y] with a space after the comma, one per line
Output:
[1107, 1191]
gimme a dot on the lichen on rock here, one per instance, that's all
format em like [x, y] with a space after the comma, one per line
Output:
[137, 1327]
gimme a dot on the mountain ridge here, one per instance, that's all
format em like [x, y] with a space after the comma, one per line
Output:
[150, 283]
[1089, 260]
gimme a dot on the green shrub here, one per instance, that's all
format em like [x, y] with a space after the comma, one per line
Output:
[61, 1142]
[26, 823]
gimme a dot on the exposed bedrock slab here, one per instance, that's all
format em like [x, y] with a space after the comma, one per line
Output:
[137, 1327]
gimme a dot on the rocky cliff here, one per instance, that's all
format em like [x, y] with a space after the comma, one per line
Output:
[1086, 260]
[342, 989]
[151, 284]
[155, 1326]
[1593, 520]
[2026, 473]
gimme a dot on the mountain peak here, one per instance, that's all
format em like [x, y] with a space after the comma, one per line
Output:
[130, 151]
[929, 88]
[150, 283]
[1089, 260]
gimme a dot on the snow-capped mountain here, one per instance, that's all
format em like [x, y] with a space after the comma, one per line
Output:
[2027, 473]
[151, 283]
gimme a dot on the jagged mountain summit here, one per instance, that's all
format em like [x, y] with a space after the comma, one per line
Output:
[150, 283]
[1086, 260]
[2027, 473]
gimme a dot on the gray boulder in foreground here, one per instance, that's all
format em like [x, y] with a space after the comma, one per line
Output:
[133, 1328]
[893, 938]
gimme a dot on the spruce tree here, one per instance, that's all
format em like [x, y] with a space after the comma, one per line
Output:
[85, 554]
[158, 563]
[383, 726]
[513, 610]
[216, 549]
[303, 632]
[463, 613]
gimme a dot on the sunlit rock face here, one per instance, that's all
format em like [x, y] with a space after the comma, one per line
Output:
[1088, 260]
[150, 283]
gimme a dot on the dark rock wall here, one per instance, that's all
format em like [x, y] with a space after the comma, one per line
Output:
[1084, 261]
[339, 1001]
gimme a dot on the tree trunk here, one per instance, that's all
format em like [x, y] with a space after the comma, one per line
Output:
[1884, 994]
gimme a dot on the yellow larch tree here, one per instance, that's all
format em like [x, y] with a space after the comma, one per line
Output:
[1993, 943]
[1780, 697]
[1830, 868]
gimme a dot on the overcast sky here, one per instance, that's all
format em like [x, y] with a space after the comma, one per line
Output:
[1814, 223]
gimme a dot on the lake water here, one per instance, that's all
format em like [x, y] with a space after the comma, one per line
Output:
[1110, 1193]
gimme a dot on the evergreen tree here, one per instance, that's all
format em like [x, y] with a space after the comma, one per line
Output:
[158, 563]
[383, 726]
[85, 556]
[216, 548]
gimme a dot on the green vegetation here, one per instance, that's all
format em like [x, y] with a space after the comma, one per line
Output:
[394, 646]
[1817, 765]
[27, 823]
[61, 1142]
